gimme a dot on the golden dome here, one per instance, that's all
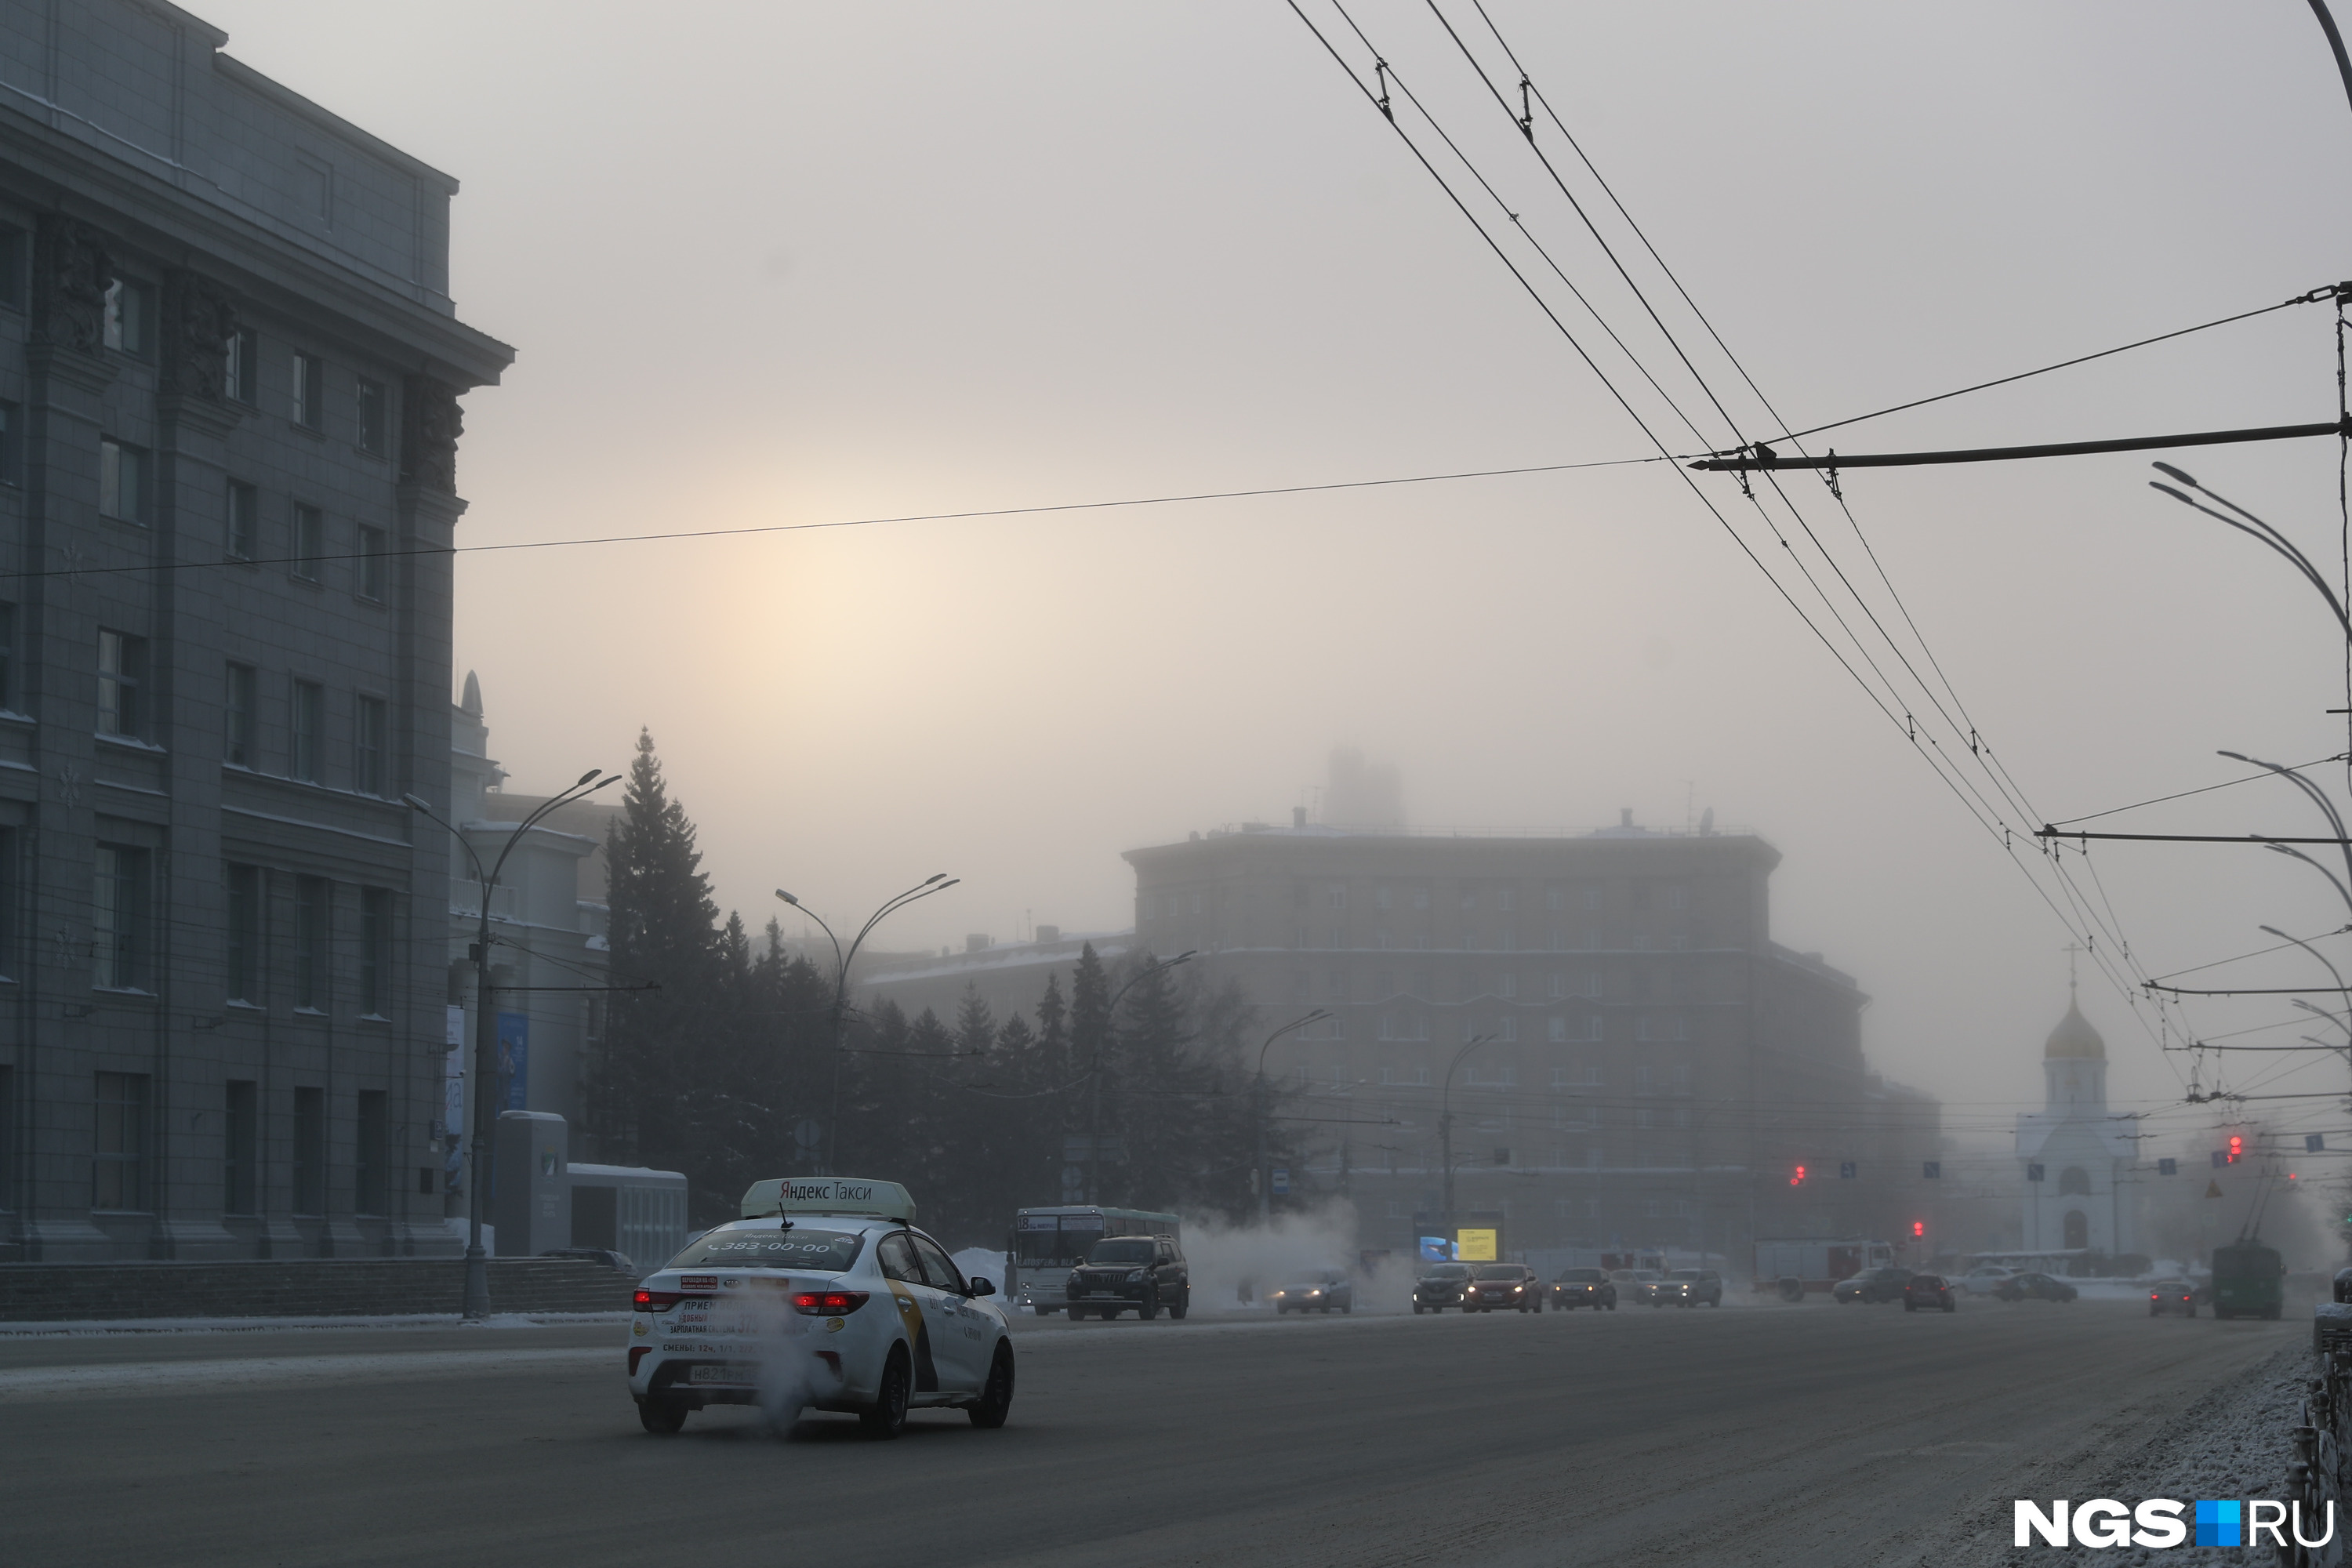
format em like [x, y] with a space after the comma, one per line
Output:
[2075, 1037]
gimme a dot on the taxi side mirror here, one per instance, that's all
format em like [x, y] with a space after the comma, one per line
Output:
[982, 1286]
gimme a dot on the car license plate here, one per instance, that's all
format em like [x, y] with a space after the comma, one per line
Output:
[1103, 1296]
[733, 1372]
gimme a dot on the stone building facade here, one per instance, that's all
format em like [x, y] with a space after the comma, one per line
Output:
[230, 372]
[1653, 1070]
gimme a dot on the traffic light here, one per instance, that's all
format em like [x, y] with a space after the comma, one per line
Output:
[2237, 1148]
[1799, 1179]
[1918, 1229]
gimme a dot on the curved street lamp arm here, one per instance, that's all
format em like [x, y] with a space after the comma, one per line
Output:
[2312, 792]
[2268, 535]
[1316, 1017]
[1149, 969]
[416, 804]
[578, 791]
[839, 966]
[2342, 891]
[892, 906]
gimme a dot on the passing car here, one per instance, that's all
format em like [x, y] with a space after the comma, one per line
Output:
[2174, 1297]
[1984, 1278]
[1439, 1286]
[1320, 1291]
[1123, 1273]
[1500, 1287]
[1635, 1284]
[1923, 1292]
[1871, 1285]
[825, 1296]
[1583, 1287]
[2035, 1288]
[618, 1261]
[1688, 1287]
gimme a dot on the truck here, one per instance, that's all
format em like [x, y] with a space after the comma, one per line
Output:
[1047, 1243]
[1798, 1266]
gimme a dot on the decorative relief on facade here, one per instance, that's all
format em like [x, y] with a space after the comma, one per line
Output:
[430, 424]
[73, 270]
[199, 318]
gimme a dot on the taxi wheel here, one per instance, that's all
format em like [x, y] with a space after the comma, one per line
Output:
[996, 1396]
[662, 1417]
[887, 1416]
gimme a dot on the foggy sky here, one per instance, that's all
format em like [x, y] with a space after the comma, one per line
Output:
[772, 263]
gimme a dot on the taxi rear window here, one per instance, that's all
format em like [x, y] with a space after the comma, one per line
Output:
[818, 1251]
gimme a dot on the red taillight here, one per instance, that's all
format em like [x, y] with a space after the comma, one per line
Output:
[829, 1303]
[2154, 1295]
[658, 1300]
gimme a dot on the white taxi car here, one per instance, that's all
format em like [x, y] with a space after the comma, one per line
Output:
[822, 1297]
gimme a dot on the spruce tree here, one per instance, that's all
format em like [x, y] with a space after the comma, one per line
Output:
[662, 932]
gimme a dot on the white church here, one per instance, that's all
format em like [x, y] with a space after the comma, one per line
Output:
[2076, 1159]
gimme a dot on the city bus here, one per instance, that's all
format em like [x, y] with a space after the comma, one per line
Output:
[1047, 1243]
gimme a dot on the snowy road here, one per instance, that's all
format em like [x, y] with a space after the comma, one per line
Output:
[1758, 1433]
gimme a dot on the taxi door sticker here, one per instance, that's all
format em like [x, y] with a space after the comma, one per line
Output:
[910, 1314]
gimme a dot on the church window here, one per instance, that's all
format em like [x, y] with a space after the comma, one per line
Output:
[2074, 1179]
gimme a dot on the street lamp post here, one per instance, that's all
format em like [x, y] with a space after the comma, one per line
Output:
[477, 1267]
[1266, 1176]
[939, 882]
[1110, 1024]
[1445, 1120]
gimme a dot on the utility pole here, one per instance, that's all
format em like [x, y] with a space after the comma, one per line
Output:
[1265, 1173]
[1445, 1120]
[486, 1030]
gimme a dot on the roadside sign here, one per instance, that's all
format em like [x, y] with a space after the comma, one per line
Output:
[1282, 1180]
[1845, 1169]
[1474, 1246]
[2313, 1143]
[2032, 1173]
[1932, 1170]
[2167, 1167]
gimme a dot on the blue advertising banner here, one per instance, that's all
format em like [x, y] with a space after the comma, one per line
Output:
[514, 1061]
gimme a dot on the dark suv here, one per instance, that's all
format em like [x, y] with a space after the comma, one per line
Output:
[1143, 1272]
[1922, 1292]
[1442, 1286]
[1871, 1285]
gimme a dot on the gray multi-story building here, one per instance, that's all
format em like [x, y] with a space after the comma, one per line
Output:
[229, 371]
[1627, 1056]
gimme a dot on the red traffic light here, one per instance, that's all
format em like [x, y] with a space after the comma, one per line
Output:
[1799, 1179]
[2237, 1148]
[1919, 1227]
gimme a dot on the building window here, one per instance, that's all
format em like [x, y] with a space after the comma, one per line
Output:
[121, 684]
[310, 1151]
[1559, 1031]
[122, 482]
[311, 938]
[375, 427]
[119, 917]
[130, 317]
[308, 729]
[237, 701]
[243, 520]
[305, 391]
[370, 574]
[1506, 985]
[241, 1148]
[118, 1151]
[10, 473]
[1508, 1029]
[367, 1172]
[7, 927]
[376, 952]
[7, 657]
[7, 1145]
[242, 886]
[13, 241]
[242, 367]
[310, 542]
[367, 746]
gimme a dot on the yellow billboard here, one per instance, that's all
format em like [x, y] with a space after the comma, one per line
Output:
[1474, 1246]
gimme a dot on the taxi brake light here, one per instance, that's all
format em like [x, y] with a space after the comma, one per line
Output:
[829, 1303]
[658, 1300]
